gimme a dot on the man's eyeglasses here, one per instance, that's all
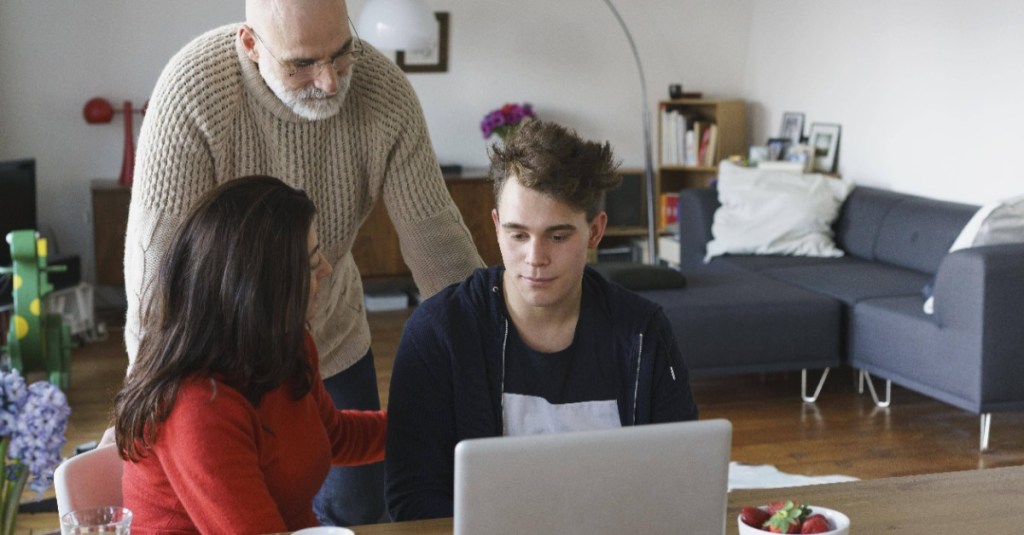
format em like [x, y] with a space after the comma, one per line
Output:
[307, 69]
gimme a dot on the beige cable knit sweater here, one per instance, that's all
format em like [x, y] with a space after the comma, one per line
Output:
[212, 118]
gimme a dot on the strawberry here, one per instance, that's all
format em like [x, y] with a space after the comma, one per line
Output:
[816, 524]
[754, 516]
[775, 506]
[787, 519]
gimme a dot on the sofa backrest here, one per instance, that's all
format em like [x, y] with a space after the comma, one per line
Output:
[899, 229]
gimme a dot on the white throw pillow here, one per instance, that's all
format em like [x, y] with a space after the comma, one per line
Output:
[993, 224]
[775, 212]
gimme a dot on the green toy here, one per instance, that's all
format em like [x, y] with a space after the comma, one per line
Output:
[36, 340]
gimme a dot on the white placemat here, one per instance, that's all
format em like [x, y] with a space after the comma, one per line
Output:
[766, 476]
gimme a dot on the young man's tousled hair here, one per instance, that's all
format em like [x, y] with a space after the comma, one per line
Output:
[554, 160]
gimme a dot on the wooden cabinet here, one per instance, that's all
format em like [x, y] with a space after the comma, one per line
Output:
[110, 203]
[376, 249]
[728, 116]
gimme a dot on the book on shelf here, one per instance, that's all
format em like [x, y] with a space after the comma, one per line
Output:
[712, 148]
[673, 137]
[680, 137]
[668, 212]
[691, 148]
[686, 141]
[702, 152]
[698, 136]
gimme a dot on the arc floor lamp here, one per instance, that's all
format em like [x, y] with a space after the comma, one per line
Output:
[410, 25]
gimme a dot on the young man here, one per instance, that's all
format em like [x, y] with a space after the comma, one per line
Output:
[542, 344]
[293, 93]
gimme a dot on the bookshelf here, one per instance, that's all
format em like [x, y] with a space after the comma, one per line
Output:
[724, 120]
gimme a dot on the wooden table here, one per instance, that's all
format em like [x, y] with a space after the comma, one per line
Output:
[972, 501]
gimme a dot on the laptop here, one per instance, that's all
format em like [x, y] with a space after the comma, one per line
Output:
[652, 479]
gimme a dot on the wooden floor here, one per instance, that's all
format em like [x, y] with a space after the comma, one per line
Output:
[843, 433]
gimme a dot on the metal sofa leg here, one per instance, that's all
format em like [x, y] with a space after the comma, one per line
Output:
[817, 391]
[874, 396]
[860, 381]
[986, 426]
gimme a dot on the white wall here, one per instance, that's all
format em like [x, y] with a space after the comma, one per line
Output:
[57, 54]
[928, 92]
[568, 58]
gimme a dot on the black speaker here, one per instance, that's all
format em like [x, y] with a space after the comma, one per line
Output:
[71, 275]
[626, 205]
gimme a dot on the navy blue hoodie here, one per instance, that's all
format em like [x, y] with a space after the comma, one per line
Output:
[446, 380]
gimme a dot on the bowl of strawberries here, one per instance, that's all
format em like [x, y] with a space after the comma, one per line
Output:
[791, 517]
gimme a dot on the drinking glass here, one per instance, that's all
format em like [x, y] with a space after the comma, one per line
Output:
[108, 519]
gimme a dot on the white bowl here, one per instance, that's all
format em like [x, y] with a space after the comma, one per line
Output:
[840, 522]
[325, 530]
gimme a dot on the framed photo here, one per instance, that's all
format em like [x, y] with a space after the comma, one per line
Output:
[431, 60]
[792, 126]
[804, 154]
[824, 137]
[777, 148]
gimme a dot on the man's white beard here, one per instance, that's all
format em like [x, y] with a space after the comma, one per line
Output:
[310, 102]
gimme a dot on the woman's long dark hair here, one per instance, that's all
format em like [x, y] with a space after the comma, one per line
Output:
[230, 299]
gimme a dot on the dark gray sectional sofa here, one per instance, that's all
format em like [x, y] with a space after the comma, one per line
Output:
[743, 314]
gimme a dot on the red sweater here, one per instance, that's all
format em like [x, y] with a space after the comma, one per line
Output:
[221, 465]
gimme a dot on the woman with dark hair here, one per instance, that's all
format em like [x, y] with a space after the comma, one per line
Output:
[223, 420]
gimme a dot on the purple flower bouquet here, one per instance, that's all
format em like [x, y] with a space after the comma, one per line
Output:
[33, 421]
[504, 120]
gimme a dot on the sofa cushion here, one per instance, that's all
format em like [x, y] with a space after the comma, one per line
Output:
[765, 262]
[854, 280]
[893, 339]
[861, 218]
[916, 233]
[697, 208]
[731, 321]
[993, 224]
[774, 212]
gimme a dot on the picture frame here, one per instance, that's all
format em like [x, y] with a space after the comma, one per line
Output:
[432, 60]
[824, 137]
[777, 148]
[792, 127]
[802, 153]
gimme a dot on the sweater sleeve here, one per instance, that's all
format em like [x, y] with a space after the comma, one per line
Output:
[208, 449]
[174, 167]
[672, 398]
[421, 432]
[435, 243]
[357, 437]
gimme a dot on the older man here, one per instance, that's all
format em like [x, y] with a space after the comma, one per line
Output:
[293, 93]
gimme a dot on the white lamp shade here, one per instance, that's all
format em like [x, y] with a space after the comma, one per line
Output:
[398, 25]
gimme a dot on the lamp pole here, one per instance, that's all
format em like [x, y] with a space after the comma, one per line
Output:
[648, 161]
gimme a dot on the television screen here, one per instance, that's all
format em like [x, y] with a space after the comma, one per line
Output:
[17, 209]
